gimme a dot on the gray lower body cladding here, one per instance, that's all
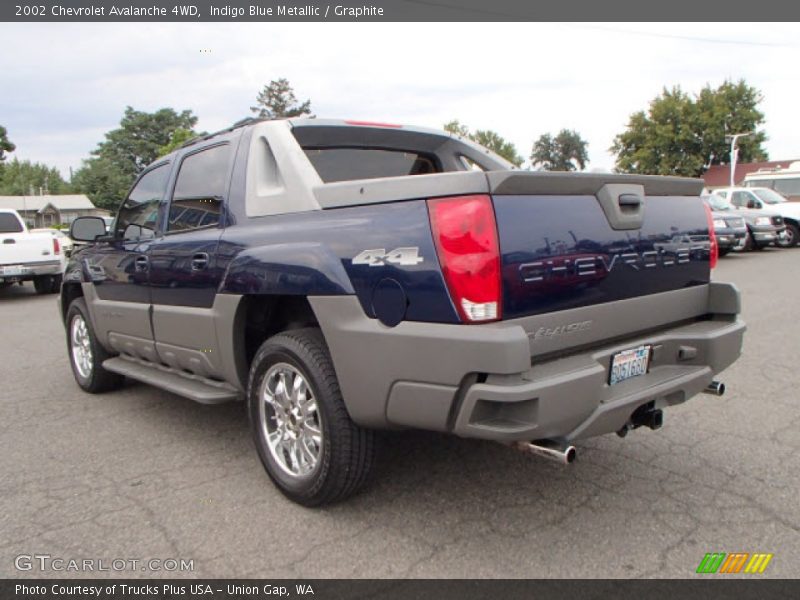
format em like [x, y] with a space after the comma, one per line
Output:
[570, 398]
[529, 378]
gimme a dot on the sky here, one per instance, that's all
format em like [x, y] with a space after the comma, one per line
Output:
[62, 85]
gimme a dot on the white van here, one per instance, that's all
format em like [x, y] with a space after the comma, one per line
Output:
[784, 181]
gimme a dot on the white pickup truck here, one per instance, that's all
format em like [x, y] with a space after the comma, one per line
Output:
[26, 256]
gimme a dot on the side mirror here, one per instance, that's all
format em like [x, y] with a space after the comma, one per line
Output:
[87, 229]
[751, 204]
[132, 232]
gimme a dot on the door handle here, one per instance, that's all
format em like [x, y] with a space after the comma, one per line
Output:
[142, 264]
[630, 200]
[623, 204]
[199, 261]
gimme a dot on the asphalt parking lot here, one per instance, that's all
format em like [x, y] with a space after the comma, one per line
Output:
[141, 474]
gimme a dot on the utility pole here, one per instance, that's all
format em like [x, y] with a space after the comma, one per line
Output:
[735, 137]
[25, 204]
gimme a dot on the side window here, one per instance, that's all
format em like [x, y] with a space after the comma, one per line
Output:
[199, 190]
[722, 193]
[746, 200]
[138, 215]
[788, 187]
[739, 199]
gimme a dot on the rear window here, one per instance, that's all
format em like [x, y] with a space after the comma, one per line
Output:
[9, 223]
[347, 164]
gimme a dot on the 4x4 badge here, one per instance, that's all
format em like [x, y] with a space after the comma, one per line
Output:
[379, 257]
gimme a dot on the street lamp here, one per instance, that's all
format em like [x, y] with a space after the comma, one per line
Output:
[735, 137]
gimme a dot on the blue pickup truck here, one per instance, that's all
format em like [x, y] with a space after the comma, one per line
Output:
[343, 277]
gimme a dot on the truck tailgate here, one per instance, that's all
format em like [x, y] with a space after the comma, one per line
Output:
[25, 248]
[563, 245]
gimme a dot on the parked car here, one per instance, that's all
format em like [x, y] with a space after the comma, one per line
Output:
[343, 277]
[63, 239]
[770, 201]
[29, 256]
[730, 226]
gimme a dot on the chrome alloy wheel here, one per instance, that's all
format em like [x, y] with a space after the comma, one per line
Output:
[290, 420]
[81, 347]
[787, 239]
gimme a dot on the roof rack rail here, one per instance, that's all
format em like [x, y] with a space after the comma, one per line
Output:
[240, 123]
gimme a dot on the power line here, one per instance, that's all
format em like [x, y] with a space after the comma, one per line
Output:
[671, 36]
[518, 15]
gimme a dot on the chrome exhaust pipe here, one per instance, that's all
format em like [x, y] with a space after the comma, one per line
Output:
[554, 451]
[715, 388]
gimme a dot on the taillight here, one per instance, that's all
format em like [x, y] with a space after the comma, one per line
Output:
[465, 234]
[56, 247]
[712, 237]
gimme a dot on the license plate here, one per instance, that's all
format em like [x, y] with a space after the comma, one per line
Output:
[629, 363]
[11, 271]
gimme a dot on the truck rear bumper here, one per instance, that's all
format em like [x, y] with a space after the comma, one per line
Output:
[23, 272]
[541, 377]
[570, 398]
[765, 237]
[731, 239]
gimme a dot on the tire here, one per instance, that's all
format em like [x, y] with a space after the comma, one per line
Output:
[43, 284]
[723, 252]
[313, 451]
[47, 284]
[89, 373]
[749, 244]
[792, 236]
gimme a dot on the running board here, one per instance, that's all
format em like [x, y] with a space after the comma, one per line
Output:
[199, 389]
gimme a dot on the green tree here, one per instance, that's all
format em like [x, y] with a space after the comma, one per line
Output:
[681, 135]
[567, 151]
[457, 128]
[127, 150]
[103, 181]
[19, 178]
[177, 138]
[277, 100]
[731, 108]
[140, 136]
[488, 139]
[5, 144]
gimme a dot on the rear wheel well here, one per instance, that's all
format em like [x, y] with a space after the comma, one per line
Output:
[264, 316]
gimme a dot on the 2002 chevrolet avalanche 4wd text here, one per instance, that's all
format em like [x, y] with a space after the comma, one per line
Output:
[344, 276]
